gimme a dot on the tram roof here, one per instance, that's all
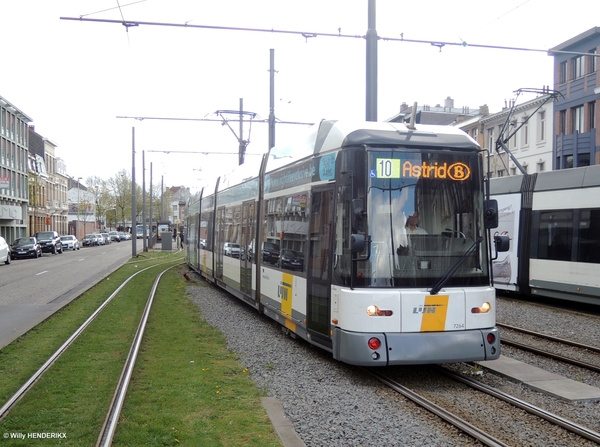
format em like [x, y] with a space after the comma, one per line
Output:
[329, 135]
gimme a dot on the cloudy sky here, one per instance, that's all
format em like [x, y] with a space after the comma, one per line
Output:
[74, 78]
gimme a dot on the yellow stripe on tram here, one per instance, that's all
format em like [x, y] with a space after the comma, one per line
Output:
[434, 313]
[286, 293]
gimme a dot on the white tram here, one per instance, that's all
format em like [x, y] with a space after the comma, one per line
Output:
[367, 240]
[553, 222]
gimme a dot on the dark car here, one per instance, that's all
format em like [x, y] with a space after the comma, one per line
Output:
[25, 247]
[49, 241]
[270, 252]
[291, 259]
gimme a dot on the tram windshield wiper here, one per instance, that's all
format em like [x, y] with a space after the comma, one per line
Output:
[438, 286]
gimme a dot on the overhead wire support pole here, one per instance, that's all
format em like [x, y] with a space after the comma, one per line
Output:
[371, 66]
[133, 203]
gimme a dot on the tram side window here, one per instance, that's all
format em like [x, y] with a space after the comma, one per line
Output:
[555, 235]
[588, 247]
[206, 226]
[286, 231]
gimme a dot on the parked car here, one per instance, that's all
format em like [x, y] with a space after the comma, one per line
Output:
[107, 239]
[114, 236]
[89, 240]
[291, 259]
[4, 251]
[69, 242]
[25, 247]
[49, 241]
[99, 239]
[231, 249]
[270, 252]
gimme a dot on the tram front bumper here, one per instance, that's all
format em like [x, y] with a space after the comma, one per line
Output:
[416, 348]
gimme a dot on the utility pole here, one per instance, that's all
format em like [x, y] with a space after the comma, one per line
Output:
[241, 139]
[272, 99]
[133, 204]
[144, 243]
[371, 89]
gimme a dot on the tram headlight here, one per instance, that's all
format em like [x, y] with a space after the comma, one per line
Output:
[483, 309]
[374, 311]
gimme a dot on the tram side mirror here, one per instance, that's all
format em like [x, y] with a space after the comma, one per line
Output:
[358, 215]
[490, 213]
[357, 243]
[502, 243]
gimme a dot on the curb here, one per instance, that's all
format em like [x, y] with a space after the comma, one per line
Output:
[283, 427]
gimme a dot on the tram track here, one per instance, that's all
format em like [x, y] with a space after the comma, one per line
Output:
[556, 342]
[114, 411]
[109, 427]
[480, 429]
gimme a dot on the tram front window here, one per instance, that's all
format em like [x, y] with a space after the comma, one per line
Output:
[424, 214]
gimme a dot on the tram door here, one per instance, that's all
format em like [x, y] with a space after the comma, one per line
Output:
[319, 265]
[247, 234]
[219, 241]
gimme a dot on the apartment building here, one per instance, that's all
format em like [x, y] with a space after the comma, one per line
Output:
[14, 155]
[576, 118]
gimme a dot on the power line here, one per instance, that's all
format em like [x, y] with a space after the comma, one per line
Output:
[261, 121]
[306, 35]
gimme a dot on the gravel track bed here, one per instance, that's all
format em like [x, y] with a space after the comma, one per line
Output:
[332, 404]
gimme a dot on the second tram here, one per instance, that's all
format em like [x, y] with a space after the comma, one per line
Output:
[367, 240]
[553, 222]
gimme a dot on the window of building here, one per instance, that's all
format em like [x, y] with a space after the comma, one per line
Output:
[500, 172]
[562, 122]
[491, 144]
[562, 75]
[592, 61]
[541, 166]
[568, 162]
[578, 66]
[577, 119]
[591, 121]
[525, 133]
[583, 160]
[541, 125]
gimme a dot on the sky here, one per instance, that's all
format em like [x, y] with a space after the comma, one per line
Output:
[78, 79]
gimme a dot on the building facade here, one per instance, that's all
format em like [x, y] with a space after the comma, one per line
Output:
[14, 156]
[47, 181]
[577, 124]
[526, 132]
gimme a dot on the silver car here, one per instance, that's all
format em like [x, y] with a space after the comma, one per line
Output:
[70, 242]
[4, 251]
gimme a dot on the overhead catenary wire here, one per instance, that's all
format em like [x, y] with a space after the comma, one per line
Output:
[307, 35]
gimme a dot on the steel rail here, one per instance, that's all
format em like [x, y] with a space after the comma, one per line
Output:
[551, 355]
[532, 409]
[551, 338]
[112, 417]
[447, 416]
[10, 403]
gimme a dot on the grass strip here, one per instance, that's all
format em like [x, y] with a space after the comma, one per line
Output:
[187, 388]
